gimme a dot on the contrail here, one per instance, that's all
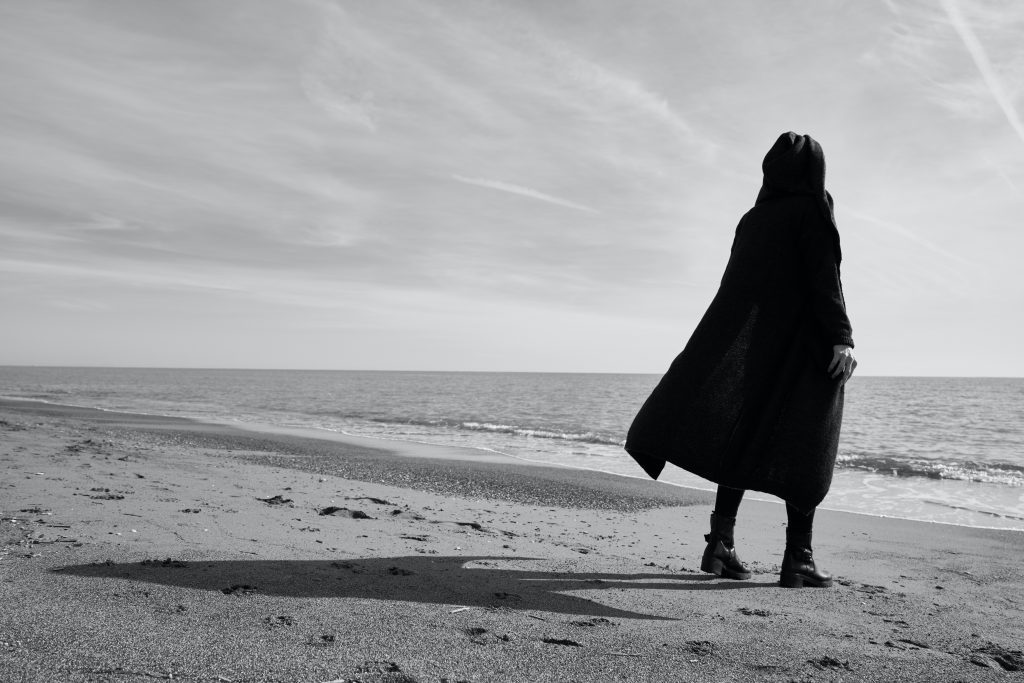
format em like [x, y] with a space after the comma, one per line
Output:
[523, 192]
[906, 233]
[977, 52]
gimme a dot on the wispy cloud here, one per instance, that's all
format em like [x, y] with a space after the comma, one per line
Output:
[522, 192]
[981, 61]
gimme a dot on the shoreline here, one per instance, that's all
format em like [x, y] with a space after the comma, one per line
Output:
[155, 548]
[417, 449]
[421, 466]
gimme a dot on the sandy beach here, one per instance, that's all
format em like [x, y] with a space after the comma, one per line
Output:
[144, 548]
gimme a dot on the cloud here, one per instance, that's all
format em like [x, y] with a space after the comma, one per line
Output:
[523, 192]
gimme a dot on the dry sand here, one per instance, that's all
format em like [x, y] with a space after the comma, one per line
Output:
[136, 548]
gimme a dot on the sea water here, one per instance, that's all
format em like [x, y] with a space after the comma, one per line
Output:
[947, 450]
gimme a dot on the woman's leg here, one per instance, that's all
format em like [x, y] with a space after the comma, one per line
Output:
[727, 501]
[798, 568]
[720, 554]
[799, 521]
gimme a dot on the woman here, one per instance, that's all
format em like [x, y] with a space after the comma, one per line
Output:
[755, 400]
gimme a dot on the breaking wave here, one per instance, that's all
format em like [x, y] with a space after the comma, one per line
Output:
[988, 473]
[512, 430]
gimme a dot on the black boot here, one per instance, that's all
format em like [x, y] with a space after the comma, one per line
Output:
[798, 569]
[720, 555]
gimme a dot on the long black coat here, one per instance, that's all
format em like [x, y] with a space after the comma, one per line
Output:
[749, 402]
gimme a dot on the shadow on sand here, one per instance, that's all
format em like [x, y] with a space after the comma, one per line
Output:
[472, 581]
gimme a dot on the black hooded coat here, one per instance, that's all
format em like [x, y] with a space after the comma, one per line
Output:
[749, 403]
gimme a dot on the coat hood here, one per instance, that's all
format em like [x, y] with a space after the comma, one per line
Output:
[796, 165]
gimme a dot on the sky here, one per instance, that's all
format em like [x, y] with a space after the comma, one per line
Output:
[517, 185]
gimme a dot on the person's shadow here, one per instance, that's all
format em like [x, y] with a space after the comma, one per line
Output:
[486, 582]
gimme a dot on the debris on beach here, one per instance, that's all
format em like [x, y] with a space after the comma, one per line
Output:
[336, 511]
[751, 612]
[240, 589]
[276, 500]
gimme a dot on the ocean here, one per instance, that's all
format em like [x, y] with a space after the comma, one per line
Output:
[946, 450]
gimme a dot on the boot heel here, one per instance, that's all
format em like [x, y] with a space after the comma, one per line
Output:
[712, 565]
[791, 581]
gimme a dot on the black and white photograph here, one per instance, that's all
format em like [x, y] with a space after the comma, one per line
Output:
[511, 341]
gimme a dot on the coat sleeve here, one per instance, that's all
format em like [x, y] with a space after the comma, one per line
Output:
[821, 271]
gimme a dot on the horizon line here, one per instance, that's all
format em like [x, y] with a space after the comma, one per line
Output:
[481, 372]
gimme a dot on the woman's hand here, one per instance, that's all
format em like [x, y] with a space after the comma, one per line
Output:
[843, 362]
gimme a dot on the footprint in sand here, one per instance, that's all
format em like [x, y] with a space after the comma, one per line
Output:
[335, 511]
[398, 571]
[481, 636]
[591, 623]
[378, 501]
[826, 662]
[508, 596]
[168, 562]
[276, 500]
[104, 494]
[701, 648]
[354, 568]
[998, 657]
[561, 641]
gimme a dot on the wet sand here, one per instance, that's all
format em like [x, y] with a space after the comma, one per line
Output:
[145, 548]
